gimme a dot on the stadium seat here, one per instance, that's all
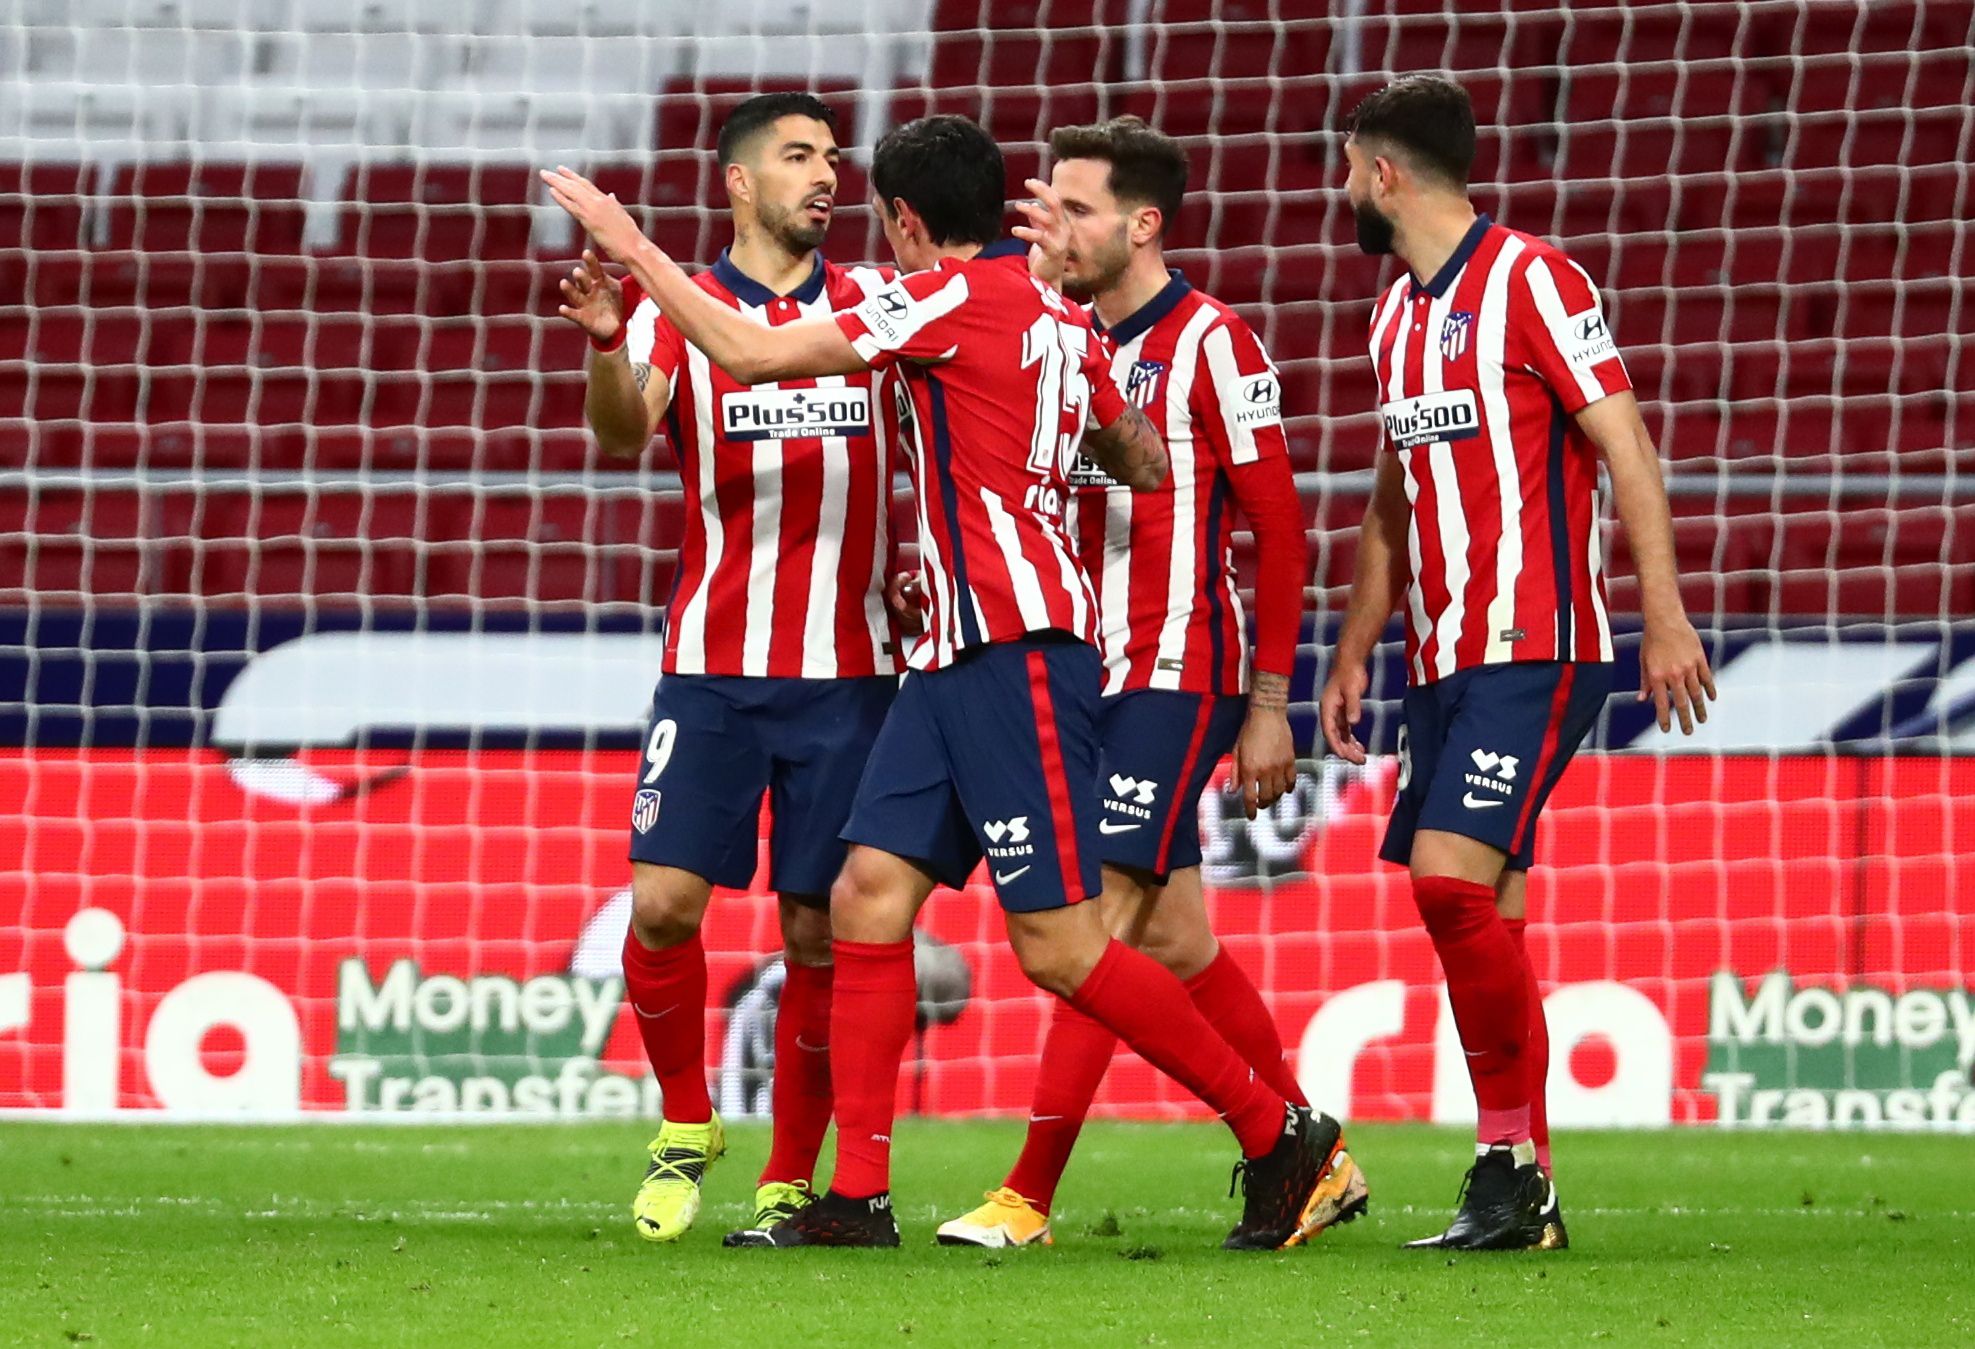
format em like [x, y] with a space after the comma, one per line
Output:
[436, 211]
[175, 207]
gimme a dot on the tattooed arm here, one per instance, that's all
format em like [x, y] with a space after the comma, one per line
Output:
[624, 402]
[1130, 450]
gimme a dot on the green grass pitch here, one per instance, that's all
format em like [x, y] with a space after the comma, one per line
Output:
[152, 1235]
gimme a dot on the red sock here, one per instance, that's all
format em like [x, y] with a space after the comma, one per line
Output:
[873, 1001]
[1488, 986]
[1144, 1004]
[667, 993]
[802, 1097]
[1227, 997]
[1539, 1051]
[1075, 1055]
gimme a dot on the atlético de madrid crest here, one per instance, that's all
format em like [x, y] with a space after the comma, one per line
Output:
[1454, 335]
[1143, 382]
[644, 810]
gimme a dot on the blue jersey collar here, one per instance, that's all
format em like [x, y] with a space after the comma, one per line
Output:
[1445, 276]
[751, 292]
[1003, 248]
[1149, 313]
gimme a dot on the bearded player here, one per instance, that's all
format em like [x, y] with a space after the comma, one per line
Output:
[1501, 391]
[990, 750]
[1180, 688]
[780, 658]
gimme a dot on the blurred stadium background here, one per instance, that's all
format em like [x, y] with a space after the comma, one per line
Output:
[332, 636]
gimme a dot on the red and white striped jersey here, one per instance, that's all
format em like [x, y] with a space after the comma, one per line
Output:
[1163, 560]
[998, 376]
[1480, 372]
[787, 539]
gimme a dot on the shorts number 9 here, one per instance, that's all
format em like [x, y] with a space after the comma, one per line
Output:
[1405, 760]
[658, 750]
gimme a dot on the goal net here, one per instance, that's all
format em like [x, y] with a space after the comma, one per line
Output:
[328, 637]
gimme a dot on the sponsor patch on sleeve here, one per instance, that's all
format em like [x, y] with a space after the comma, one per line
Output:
[1588, 339]
[1258, 401]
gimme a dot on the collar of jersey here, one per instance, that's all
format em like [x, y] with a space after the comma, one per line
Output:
[1000, 248]
[1445, 276]
[751, 292]
[1141, 320]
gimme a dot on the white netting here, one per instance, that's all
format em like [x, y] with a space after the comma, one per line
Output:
[332, 634]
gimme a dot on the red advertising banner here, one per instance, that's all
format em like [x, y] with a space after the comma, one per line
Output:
[1755, 940]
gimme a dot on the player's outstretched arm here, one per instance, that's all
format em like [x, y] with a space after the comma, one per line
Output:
[1130, 450]
[1375, 588]
[1673, 669]
[748, 351]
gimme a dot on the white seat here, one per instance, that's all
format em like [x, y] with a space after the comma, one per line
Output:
[622, 65]
[357, 61]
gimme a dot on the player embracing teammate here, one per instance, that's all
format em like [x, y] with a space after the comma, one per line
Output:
[780, 656]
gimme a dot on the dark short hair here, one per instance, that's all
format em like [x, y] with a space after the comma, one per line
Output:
[1427, 119]
[1148, 167]
[948, 170]
[749, 119]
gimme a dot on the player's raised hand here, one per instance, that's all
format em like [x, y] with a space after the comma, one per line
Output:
[600, 214]
[1047, 234]
[906, 599]
[1674, 673]
[1342, 702]
[592, 299]
[1264, 760]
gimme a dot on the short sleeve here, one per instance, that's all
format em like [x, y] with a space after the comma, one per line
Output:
[1247, 392]
[648, 338]
[1563, 335]
[913, 318]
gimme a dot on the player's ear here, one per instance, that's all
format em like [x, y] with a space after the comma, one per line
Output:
[1146, 223]
[740, 183]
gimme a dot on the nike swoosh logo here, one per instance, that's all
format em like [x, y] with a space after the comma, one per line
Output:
[1473, 802]
[1042, 1119]
[1000, 879]
[1106, 827]
[653, 1016]
[813, 1049]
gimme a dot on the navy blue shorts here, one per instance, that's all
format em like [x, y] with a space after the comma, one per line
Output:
[995, 756]
[1481, 750]
[717, 742]
[1160, 749]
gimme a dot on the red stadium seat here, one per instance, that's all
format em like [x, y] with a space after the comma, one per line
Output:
[207, 208]
[41, 204]
[439, 212]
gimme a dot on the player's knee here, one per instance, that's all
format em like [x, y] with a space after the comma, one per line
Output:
[1185, 953]
[805, 933]
[1058, 948]
[1052, 971]
[663, 914]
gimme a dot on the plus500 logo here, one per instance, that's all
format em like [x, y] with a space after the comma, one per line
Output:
[1413, 422]
[777, 414]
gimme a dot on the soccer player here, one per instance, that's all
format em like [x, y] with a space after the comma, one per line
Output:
[780, 658]
[991, 746]
[1501, 390]
[1178, 691]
